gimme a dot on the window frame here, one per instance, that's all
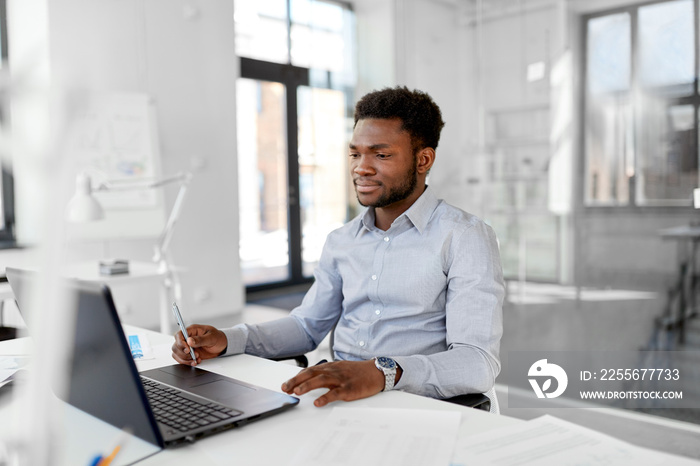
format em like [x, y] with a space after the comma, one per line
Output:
[7, 233]
[633, 205]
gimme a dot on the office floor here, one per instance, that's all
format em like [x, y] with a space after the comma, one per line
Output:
[552, 317]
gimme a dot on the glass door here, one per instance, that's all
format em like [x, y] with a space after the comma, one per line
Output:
[262, 181]
[292, 171]
[294, 114]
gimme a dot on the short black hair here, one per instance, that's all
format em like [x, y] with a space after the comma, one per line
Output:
[419, 114]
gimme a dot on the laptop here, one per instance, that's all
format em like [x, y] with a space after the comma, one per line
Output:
[167, 406]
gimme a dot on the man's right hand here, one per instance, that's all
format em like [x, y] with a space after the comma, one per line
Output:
[208, 342]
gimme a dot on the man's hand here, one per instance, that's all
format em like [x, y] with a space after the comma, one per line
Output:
[346, 381]
[207, 341]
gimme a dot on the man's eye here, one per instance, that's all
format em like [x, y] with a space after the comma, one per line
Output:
[353, 156]
[383, 156]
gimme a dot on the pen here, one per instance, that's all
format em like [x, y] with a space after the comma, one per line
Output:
[108, 459]
[101, 460]
[181, 324]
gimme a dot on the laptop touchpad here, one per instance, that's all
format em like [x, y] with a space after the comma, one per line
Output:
[221, 390]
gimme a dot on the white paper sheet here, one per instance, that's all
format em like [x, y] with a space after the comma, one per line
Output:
[551, 441]
[9, 366]
[386, 437]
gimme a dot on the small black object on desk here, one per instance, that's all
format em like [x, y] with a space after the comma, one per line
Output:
[114, 266]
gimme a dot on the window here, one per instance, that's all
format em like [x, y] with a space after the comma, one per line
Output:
[641, 105]
[294, 114]
[6, 186]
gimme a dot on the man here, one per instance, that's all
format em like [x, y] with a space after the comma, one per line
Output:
[413, 286]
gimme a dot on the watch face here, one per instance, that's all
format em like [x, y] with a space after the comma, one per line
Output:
[386, 363]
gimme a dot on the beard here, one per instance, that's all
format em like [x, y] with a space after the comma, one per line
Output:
[397, 193]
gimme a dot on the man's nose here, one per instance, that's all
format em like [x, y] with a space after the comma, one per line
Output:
[362, 166]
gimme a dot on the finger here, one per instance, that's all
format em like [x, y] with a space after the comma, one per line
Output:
[195, 329]
[319, 381]
[203, 342]
[301, 377]
[182, 358]
[329, 396]
[178, 337]
[182, 349]
[203, 337]
[338, 393]
[180, 343]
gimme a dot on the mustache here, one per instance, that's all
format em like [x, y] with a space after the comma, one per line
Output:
[361, 181]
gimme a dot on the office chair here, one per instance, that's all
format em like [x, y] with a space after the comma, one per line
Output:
[6, 333]
[301, 360]
[479, 401]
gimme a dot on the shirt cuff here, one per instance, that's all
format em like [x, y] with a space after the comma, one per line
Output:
[236, 338]
[410, 375]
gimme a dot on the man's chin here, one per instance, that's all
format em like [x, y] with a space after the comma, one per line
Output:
[372, 202]
[364, 203]
[367, 199]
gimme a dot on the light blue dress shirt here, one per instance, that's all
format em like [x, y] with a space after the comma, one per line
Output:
[428, 292]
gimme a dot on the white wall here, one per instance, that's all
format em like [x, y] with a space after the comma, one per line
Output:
[428, 59]
[181, 53]
[376, 58]
[416, 43]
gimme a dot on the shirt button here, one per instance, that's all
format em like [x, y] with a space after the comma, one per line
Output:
[361, 343]
[377, 312]
[386, 238]
[374, 277]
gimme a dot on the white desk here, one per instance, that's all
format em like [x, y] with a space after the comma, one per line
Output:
[138, 272]
[275, 440]
[686, 285]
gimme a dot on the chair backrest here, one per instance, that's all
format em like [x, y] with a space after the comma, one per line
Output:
[495, 409]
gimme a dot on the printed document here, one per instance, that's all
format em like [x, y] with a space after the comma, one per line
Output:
[386, 437]
[551, 441]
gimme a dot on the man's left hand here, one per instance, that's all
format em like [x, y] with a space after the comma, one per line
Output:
[345, 380]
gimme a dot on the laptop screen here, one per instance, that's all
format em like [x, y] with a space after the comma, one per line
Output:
[103, 379]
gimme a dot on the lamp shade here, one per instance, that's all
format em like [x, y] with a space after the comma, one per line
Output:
[83, 207]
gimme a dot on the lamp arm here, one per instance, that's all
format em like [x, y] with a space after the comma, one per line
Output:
[166, 235]
[131, 185]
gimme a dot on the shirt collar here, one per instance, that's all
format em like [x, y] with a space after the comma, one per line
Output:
[419, 213]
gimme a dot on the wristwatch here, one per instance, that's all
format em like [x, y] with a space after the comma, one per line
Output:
[388, 367]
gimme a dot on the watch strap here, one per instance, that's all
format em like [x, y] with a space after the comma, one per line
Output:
[389, 374]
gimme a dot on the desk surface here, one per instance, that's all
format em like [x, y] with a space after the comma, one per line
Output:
[276, 439]
[681, 232]
[90, 271]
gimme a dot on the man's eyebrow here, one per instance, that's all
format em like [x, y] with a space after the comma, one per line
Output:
[373, 146]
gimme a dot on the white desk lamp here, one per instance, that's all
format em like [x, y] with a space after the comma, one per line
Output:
[83, 207]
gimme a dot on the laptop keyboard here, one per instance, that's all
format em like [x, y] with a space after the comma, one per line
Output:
[173, 409]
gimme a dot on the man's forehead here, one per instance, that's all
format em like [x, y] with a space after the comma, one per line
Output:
[376, 131]
[394, 122]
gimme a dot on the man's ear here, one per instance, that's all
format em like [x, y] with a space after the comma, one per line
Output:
[425, 159]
